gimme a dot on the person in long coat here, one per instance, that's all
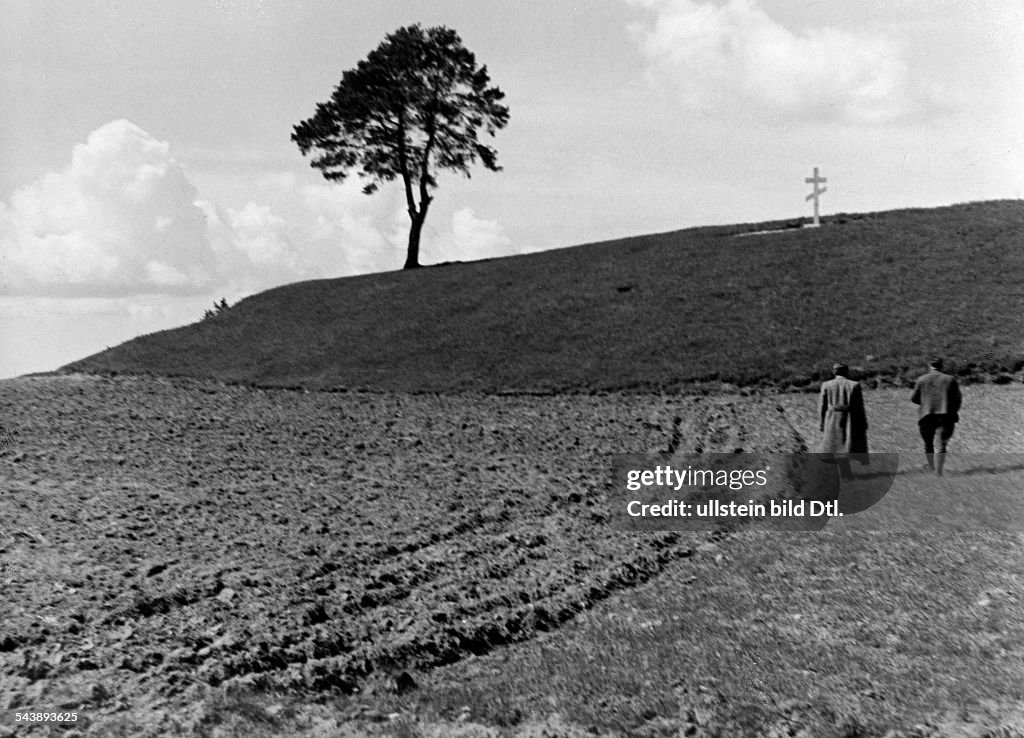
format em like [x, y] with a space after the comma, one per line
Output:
[844, 423]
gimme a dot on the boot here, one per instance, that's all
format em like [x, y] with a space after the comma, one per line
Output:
[940, 460]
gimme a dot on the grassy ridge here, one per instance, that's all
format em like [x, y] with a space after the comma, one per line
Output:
[879, 290]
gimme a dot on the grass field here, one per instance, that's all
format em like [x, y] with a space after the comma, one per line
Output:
[882, 291]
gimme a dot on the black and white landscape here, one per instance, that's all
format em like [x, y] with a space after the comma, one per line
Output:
[256, 479]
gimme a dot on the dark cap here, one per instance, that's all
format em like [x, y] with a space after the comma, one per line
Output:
[840, 369]
[935, 361]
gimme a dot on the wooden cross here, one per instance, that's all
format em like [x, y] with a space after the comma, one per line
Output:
[816, 180]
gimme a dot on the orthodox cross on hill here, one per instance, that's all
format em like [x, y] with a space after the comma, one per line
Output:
[816, 180]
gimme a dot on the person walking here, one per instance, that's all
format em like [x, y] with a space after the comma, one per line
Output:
[938, 398]
[844, 423]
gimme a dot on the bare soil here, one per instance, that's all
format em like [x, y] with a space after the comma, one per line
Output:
[164, 543]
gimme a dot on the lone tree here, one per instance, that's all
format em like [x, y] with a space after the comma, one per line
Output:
[412, 107]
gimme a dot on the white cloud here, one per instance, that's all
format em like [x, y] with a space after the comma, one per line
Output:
[469, 239]
[120, 218]
[362, 234]
[722, 55]
[124, 219]
[260, 236]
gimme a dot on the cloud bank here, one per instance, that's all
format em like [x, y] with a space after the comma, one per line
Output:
[124, 219]
[120, 218]
[720, 56]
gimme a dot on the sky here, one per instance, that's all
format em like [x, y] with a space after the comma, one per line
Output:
[146, 166]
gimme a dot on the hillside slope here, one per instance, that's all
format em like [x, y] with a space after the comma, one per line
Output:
[879, 290]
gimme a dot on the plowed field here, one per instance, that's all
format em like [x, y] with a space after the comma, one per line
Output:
[158, 537]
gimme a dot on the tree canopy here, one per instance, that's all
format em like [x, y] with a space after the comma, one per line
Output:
[415, 105]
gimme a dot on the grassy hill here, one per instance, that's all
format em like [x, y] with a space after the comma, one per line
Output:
[880, 290]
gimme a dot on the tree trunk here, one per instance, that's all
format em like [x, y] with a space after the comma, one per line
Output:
[412, 255]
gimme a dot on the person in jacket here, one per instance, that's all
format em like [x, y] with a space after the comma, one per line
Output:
[938, 398]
